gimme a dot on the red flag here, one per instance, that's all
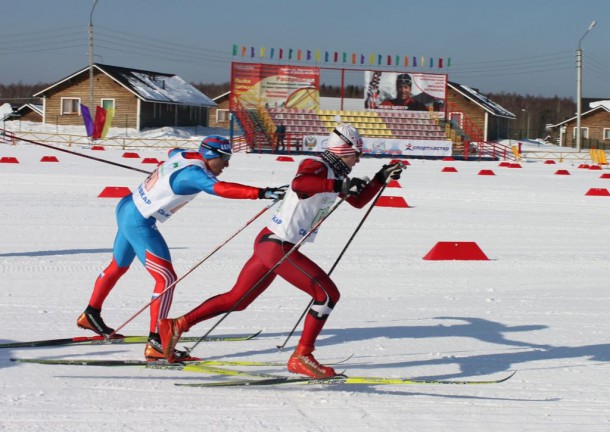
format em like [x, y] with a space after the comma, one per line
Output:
[440, 63]
[100, 120]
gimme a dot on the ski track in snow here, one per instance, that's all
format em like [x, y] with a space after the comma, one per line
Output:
[539, 305]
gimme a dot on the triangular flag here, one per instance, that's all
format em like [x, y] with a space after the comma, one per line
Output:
[87, 119]
[108, 122]
[98, 124]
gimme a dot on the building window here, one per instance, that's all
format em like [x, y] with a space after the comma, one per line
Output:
[606, 134]
[223, 115]
[108, 104]
[70, 106]
[456, 119]
[584, 130]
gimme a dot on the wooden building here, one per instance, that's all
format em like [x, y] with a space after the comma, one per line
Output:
[140, 99]
[220, 115]
[480, 117]
[595, 126]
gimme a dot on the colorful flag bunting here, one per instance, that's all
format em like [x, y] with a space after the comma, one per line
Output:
[344, 57]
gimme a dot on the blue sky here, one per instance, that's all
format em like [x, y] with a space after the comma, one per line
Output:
[517, 46]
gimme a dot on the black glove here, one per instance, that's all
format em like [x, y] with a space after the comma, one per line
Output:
[391, 171]
[274, 193]
[351, 186]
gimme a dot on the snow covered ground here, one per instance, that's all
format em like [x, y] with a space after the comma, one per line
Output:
[538, 306]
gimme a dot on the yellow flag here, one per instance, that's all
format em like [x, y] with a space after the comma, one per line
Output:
[109, 117]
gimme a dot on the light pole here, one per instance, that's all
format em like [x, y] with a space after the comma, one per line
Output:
[91, 99]
[579, 87]
[527, 131]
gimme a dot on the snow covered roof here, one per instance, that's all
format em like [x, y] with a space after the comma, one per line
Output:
[603, 103]
[37, 108]
[484, 102]
[149, 86]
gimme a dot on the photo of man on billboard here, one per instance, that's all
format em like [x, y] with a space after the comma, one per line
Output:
[404, 91]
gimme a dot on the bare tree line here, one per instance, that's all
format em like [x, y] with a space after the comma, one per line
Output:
[540, 110]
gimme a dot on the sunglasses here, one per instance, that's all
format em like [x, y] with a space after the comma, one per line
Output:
[223, 155]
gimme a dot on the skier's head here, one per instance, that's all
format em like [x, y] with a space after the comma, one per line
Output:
[215, 146]
[345, 140]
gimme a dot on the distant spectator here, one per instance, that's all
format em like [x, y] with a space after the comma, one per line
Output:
[280, 134]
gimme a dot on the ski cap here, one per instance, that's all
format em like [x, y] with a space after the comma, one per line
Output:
[345, 140]
[214, 146]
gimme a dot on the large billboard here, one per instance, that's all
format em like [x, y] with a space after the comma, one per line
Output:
[275, 85]
[404, 91]
[387, 146]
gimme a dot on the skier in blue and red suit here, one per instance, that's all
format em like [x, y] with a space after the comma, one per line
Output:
[171, 186]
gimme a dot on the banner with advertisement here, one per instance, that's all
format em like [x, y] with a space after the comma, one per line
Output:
[387, 146]
[275, 86]
[412, 91]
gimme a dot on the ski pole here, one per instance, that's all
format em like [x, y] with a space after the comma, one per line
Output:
[82, 155]
[256, 216]
[270, 271]
[366, 215]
